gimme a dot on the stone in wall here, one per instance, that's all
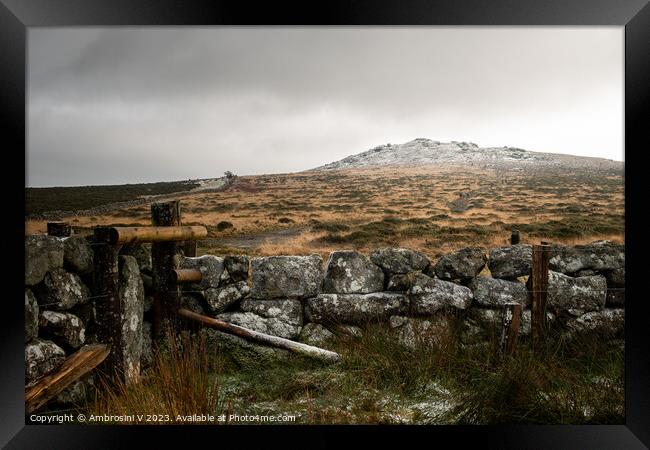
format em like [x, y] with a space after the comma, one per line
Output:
[141, 252]
[61, 290]
[41, 357]
[575, 296]
[615, 277]
[77, 393]
[484, 322]
[191, 303]
[42, 255]
[429, 295]
[286, 276]
[355, 308]
[399, 260]
[31, 316]
[615, 298]
[349, 272]
[211, 268]
[463, 264]
[281, 318]
[415, 332]
[316, 334]
[64, 329]
[245, 354]
[219, 299]
[237, 267]
[131, 294]
[401, 282]
[77, 254]
[493, 292]
[511, 262]
[599, 256]
[609, 323]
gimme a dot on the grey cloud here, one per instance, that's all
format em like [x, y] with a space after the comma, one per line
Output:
[273, 99]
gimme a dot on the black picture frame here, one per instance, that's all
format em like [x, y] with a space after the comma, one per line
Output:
[17, 15]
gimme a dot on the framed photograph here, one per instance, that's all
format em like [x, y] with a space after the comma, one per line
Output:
[416, 215]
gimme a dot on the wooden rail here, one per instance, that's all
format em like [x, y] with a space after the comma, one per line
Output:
[128, 235]
[74, 367]
[251, 335]
[186, 275]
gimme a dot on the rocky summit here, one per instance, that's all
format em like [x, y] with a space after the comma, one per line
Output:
[423, 151]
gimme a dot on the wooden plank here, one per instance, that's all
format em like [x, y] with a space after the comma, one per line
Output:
[510, 322]
[38, 393]
[128, 235]
[251, 335]
[514, 237]
[189, 249]
[163, 259]
[539, 288]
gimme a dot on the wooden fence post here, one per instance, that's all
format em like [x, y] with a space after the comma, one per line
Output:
[511, 320]
[108, 306]
[59, 229]
[514, 237]
[163, 259]
[539, 288]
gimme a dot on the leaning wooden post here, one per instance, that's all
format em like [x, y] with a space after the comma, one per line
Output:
[59, 229]
[166, 296]
[108, 305]
[539, 288]
[510, 320]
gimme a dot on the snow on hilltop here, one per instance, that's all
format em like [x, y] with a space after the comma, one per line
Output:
[423, 151]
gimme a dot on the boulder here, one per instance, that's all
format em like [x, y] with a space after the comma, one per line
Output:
[316, 334]
[61, 290]
[237, 267]
[131, 293]
[399, 260]
[42, 255]
[349, 272]
[85, 312]
[77, 254]
[608, 323]
[287, 310]
[415, 333]
[493, 292]
[31, 316]
[575, 296]
[286, 276]
[41, 357]
[141, 252]
[599, 256]
[511, 262]
[64, 329]
[219, 299]
[355, 308]
[275, 326]
[428, 295]
[463, 264]
[211, 268]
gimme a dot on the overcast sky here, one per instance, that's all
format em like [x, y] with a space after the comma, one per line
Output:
[127, 105]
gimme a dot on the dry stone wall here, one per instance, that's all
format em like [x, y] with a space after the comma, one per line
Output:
[308, 299]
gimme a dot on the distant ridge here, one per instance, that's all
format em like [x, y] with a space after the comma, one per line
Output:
[423, 151]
